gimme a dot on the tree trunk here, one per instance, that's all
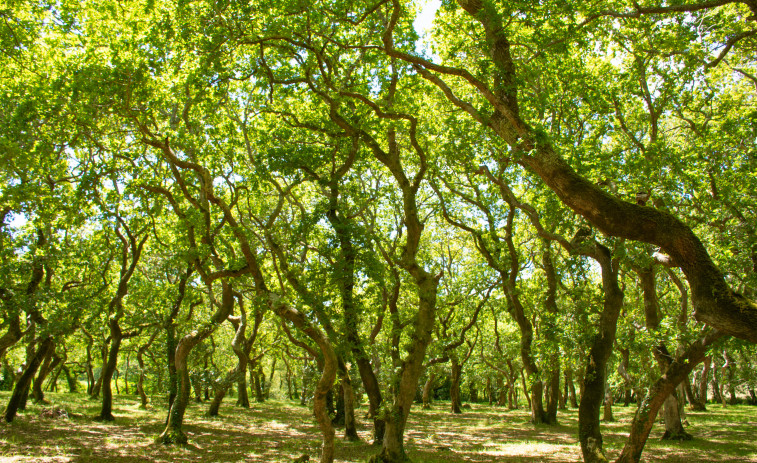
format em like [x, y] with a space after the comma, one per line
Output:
[221, 388]
[70, 379]
[454, 390]
[704, 380]
[650, 405]
[346, 280]
[571, 388]
[47, 366]
[141, 362]
[258, 388]
[427, 387]
[607, 413]
[393, 450]
[173, 433]
[350, 424]
[106, 412]
[589, 434]
[98, 384]
[554, 392]
[696, 403]
[22, 385]
[672, 418]
[551, 331]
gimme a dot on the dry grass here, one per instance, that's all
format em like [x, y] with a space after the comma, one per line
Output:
[282, 431]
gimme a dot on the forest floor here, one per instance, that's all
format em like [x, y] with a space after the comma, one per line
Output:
[280, 431]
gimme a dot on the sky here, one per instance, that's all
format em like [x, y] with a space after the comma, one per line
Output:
[426, 16]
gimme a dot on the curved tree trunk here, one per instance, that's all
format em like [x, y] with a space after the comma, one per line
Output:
[672, 418]
[673, 425]
[551, 330]
[70, 379]
[14, 333]
[571, 387]
[650, 405]
[48, 364]
[22, 385]
[173, 434]
[393, 449]
[346, 270]
[98, 383]
[589, 434]
[130, 254]
[328, 372]
[220, 389]
[607, 413]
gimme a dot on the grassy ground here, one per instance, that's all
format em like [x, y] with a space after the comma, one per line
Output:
[282, 431]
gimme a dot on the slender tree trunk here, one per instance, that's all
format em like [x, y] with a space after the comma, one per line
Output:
[98, 384]
[525, 389]
[696, 403]
[393, 450]
[89, 370]
[571, 388]
[221, 388]
[126, 374]
[258, 388]
[551, 329]
[454, 390]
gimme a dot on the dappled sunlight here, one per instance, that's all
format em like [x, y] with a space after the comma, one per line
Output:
[281, 431]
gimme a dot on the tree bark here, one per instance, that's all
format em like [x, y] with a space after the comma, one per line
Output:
[70, 379]
[589, 434]
[141, 362]
[22, 385]
[427, 389]
[672, 418]
[454, 390]
[131, 250]
[651, 403]
[173, 434]
[571, 388]
[44, 370]
[106, 411]
[350, 424]
[393, 450]
[607, 413]
[704, 380]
